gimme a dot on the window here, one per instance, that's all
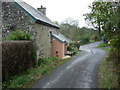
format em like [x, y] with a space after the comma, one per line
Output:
[50, 36]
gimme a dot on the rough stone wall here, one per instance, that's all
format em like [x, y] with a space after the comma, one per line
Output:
[0, 43]
[43, 40]
[0, 20]
[14, 18]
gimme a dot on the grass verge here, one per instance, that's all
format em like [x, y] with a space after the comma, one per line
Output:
[0, 85]
[103, 45]
[30, 76]
[107, 75]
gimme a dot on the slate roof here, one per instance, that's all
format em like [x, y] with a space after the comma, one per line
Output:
[35, 14]
[62, 38]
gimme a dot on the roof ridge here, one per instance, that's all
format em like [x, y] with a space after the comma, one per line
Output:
[38, 16]
[61, 37]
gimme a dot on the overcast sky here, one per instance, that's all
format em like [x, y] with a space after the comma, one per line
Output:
[59, 10]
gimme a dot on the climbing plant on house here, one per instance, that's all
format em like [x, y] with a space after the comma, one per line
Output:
[19, 35]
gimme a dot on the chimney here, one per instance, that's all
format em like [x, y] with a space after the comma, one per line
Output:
[42, 10]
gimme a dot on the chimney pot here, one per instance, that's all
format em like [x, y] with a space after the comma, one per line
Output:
[42, 10]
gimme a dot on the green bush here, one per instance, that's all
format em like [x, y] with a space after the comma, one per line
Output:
[44, 61]
[69, 48]
[19, 35]
[85, 41]
[53, 58]
[115, 42]
[73, 47]
[103, 45]
[33, 74]
[75, 51]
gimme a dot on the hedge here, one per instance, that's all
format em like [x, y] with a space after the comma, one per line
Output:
[17, 57]
[0, 62]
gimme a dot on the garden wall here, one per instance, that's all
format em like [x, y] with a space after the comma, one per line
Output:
[17, 57]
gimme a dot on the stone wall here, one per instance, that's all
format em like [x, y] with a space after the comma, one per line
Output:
[0, 43]
[43, 40]
[14, 18]
[0, 20]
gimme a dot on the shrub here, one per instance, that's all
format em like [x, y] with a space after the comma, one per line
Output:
[115, 42]
[17, 57]
[75, 44]
[69, 48]
[42, 61]
[74, 51]
[103, 45]
[53, 58]
[19, 35]
[85, 41]
[73, 47]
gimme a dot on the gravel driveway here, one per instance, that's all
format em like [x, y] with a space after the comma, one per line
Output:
[79, 72]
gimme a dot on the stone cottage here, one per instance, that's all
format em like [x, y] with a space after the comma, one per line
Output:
[21, 16]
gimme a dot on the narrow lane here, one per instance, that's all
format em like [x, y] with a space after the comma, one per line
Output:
[79, 72]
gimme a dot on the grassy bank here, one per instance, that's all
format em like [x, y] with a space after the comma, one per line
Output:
[30, 76]
[108, 78]
[102, 45]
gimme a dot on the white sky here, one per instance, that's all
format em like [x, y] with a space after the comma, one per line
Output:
[59, 10]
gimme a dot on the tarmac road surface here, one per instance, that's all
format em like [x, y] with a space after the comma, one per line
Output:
[79, 72]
